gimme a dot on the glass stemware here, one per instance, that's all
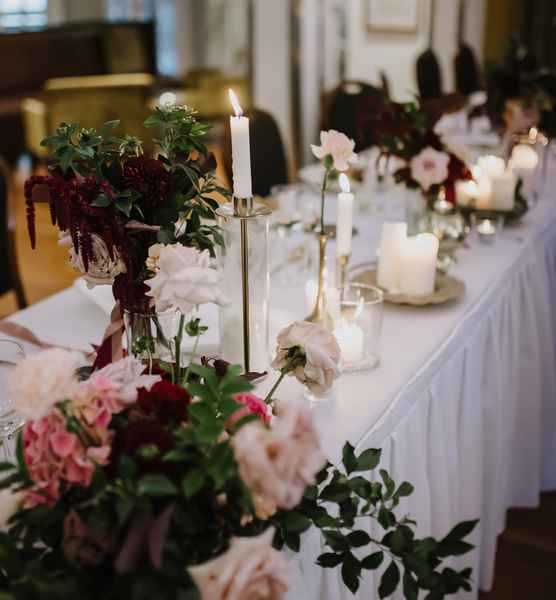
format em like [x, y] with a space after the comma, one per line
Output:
[11, 353]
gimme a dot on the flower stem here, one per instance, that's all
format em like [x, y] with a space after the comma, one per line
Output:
[178, 339]
[322, 195]
[283, 373]
[193, 353]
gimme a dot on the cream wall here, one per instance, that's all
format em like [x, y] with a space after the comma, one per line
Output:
[396, 54]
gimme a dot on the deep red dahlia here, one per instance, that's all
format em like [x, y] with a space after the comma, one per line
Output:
[168, 402]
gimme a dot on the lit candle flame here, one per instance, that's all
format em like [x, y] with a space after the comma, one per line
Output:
[344, 183]
[235, 103]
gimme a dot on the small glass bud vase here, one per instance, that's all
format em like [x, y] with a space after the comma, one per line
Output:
[152, 337]
[246, 285]
[358, 326]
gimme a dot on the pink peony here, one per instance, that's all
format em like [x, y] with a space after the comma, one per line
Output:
[278, 464]
[253, 405]
[42, 380]
[322, 354]
[338, 146]
[429, 167]
[251, 569]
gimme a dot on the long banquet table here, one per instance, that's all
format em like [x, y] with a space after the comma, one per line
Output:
[463, 403]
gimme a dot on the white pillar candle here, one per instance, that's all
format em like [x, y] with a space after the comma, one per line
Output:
[503, 191]
[492, 166]
[351, 339]
[484, 196]
[241, 153]
[418, 265]
[466, 192]
[393, 237]
[344, 219]
[524, 158]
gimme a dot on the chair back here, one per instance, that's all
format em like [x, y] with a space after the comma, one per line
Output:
[343, 109]
[9, 273]
[268, 156]
[93, 100]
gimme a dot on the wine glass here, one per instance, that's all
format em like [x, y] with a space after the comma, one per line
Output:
[11, 353]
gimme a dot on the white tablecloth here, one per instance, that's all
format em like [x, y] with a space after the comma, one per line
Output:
[463, 403]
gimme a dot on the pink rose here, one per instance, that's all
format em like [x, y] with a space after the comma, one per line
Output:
[278, 464]
[338, 146]
[253, 405]
[429, 167]
[250, 569]
[322, 355]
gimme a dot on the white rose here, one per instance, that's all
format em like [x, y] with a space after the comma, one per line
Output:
[251, 569]
[103, 268]
[184, 279]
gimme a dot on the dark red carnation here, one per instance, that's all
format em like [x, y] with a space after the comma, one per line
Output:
[168, 402]
[139, 438]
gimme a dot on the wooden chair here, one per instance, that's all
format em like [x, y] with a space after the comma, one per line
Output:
[268, 157]
[10, 279]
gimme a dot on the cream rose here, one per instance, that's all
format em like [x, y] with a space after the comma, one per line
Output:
[278, 464]
[42, 380]
[338, 146]
[429, 167]
[322, 355]
[103, 268]
[184, 279]
[154, 257]
[251, 569]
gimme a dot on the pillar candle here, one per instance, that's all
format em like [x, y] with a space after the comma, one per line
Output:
[241, 153]
[484, 196]
[418, 265]
[344, 224]
[503, 191]
[466, 192]
[393, 238]
[491, 166]
[524, 158]
[351, 339]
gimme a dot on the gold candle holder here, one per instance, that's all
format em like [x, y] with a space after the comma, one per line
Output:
[319, 313]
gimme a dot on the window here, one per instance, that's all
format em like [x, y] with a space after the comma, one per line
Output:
[23, 14]
[129, 10]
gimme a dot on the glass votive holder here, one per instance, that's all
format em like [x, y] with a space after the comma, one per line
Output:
[358, 327]
[487, 228]
[11, 353]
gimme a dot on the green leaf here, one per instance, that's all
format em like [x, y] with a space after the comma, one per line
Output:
[292, 540]
[389, 581]
[348, 458]
[361, 487]
[296, 522]
[156, 485]
[388, 482]
[386, 518]
[329, 560]
[405, 489]
[335, 492]
[111, 124]
[202, 412]
[358, 538]
[102, 201]
[336, 540]
[193, 482]
[368, 460]
[351, 570]
[6, 466]
[460, 531]
[209, 432]
[373, 561]
[456, 548]
[410, 587]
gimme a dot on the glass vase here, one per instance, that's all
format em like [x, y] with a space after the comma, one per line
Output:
[246, 285]
[155, 337]
[415, 210]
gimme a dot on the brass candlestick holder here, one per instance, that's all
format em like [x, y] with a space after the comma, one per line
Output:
[319, 312]
[244, 321]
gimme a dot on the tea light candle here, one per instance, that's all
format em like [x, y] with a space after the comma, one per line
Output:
[418, 265]
[503, 191]
[344, 224]
[241, 153]
[491, 166]
[524, 158]
[351, 339]
[486, 231]
[393, 237]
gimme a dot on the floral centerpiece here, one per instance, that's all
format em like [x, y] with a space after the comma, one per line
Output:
[117, 209]
[425, 162]
[128, 485]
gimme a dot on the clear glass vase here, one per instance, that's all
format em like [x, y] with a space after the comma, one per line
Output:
[256, 267]
[154, 337]
[415, 210]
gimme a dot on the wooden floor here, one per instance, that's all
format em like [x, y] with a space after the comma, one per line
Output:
[526, 558]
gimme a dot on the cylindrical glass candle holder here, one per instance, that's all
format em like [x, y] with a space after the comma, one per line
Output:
[246, 284]
[358, 328]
